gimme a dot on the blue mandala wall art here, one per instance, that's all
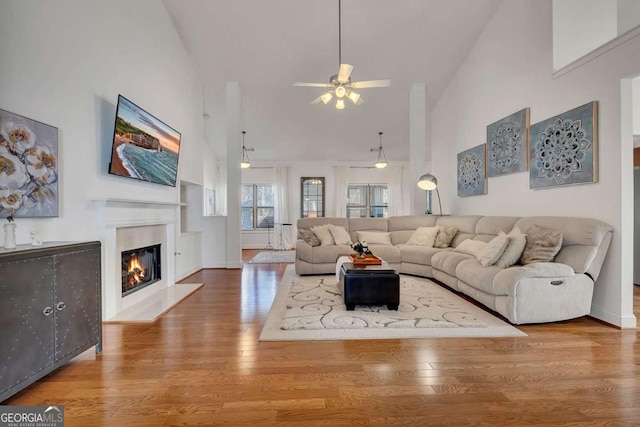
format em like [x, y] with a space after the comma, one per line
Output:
[472, 179]
[508, 144]
[564, 148]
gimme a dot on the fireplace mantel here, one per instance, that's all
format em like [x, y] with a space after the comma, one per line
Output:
[136, 217]
[123, 203]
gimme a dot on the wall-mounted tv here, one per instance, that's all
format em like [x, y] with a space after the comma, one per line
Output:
[144, 148]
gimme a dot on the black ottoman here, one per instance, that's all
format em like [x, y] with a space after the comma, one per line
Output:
[369, 285]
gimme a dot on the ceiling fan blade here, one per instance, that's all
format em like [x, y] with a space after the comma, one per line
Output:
[344, 73]
[371, 83]
[316, 101]
[313, 84]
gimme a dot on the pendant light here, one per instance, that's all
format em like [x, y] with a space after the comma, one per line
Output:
[244, 163]
[382, 159]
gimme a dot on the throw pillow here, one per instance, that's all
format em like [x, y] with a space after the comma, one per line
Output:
[470, 247]
[494, 250]
[309, 237]
[423, 236]
[514, 249]
[324, 234]
[340, 235]
[543, 244]
[375, 237]
[445, 236]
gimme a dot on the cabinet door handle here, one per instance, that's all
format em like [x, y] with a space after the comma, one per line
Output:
[60, 305]
[47, 311]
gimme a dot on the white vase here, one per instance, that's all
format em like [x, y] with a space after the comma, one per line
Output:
[10, 236]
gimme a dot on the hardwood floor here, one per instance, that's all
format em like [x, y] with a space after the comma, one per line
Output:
[202, 364]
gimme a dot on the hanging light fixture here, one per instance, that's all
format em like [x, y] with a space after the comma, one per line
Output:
[382, 159]
[244, 163]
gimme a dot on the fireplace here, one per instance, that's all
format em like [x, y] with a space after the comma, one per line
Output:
[140, 268]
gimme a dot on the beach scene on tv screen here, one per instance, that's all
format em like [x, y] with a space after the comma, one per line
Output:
[144, 147]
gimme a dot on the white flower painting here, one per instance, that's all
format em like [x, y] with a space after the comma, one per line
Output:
[564, 148]
[472, 177]
[28, 167]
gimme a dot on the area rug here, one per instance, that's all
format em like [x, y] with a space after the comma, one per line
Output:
[312, 308]
[270, 257]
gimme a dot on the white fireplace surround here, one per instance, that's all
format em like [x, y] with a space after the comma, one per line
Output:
[131, 224]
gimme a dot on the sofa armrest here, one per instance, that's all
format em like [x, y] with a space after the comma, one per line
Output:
[304, 250]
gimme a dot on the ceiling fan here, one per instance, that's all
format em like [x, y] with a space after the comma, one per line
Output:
[340, 85]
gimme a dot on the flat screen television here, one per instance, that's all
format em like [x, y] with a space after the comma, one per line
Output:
[144, 148]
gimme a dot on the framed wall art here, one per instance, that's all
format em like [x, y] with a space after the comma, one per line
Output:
[508, 144]
[564, 148]
[28, 167]
[472, 178]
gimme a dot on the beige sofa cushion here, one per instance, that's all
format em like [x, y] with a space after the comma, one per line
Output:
[309, 237]
[585, 241]
[503, 281]
[340, 235]
[324, 254]
[471, 247]
[471, 272]
[513, 251]
[324, 234]
[445, 236]
[374, 237]
[447, 261]
[493, 250]
[388, 253]
[542, 244]
[490, 226]
[423, 236]
[418, 254]
[466, 226]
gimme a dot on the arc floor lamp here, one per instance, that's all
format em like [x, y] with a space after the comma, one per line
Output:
[428, 183]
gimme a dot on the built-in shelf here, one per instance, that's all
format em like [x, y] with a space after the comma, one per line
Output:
[110, 202]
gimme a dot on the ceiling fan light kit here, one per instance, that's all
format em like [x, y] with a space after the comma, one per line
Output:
[340, 85]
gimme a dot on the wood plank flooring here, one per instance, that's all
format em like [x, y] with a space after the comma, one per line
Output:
[202, 364]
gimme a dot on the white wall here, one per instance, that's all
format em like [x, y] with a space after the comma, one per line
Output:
[579, 26]
[509, 68]
[628, 15]
[65, 64]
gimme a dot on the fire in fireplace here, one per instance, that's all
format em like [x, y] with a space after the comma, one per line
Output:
[140, 268]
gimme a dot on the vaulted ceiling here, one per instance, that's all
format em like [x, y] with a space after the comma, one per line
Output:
[266, 46]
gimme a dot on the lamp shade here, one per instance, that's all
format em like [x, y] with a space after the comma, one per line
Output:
[427, 182]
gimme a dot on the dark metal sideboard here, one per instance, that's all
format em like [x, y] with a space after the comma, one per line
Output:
[50, 309]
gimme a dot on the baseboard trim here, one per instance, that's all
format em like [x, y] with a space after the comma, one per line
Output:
[623, 322]
[188, 273]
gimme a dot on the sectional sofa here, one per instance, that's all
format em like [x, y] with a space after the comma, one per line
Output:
[532, 293]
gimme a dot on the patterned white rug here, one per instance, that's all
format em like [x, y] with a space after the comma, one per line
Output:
[312, 308]
[271, 257]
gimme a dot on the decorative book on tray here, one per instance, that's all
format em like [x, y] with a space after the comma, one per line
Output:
[369, 259]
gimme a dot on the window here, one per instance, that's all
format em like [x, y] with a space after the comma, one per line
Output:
[256, 206]
[367, 200]
[311, 197]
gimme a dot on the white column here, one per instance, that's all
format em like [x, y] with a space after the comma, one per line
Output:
[234, 113]
[418, 153]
